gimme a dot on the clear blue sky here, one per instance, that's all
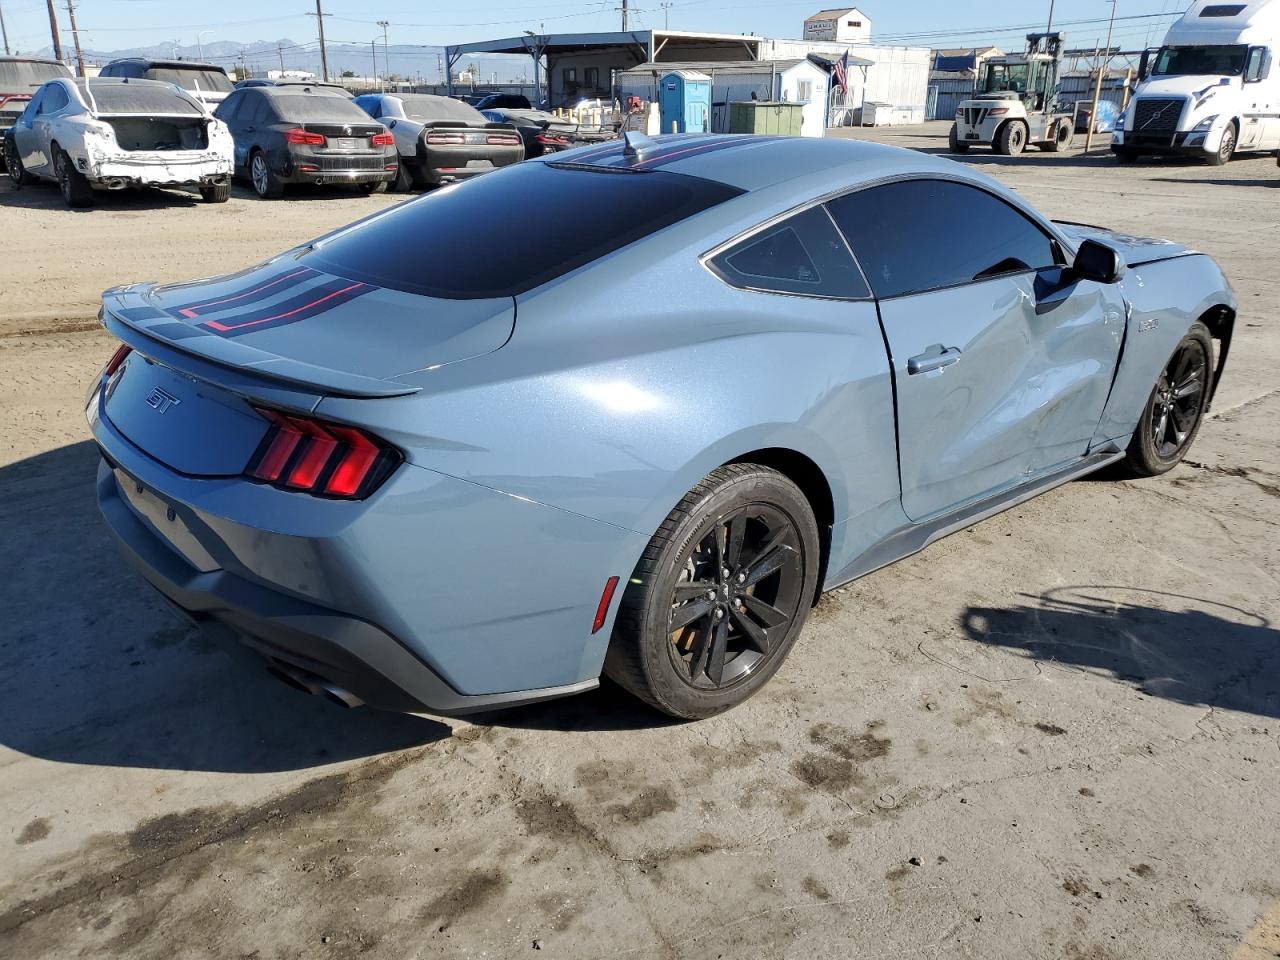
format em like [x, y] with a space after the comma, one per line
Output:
[115, 24]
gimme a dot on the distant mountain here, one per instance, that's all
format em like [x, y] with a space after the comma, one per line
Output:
[424, 63]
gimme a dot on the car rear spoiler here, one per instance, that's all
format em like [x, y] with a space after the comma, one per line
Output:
[183, 347]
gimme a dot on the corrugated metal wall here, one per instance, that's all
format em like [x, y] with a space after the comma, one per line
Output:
[947, 94]
[1073, 88]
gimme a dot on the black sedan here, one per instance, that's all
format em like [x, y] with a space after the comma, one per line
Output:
[305, 134]
[541, 132]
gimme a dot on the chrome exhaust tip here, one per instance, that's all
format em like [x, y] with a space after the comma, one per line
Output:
[316, 686]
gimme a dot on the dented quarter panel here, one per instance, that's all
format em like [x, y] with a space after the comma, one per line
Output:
[1164, 299]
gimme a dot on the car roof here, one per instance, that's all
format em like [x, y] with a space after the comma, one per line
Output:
[169, 64]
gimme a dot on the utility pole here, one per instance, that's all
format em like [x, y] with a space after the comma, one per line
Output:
[75, 36]
[624, 15]
[280, 54]
[4, 30]
[53, 29]
[1097, 87]
[666, 14]
[1049, 28]
[373, 49]
[386, 55]
[324, 59]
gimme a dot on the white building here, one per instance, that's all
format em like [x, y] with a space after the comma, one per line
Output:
[896, 80]
[846, 25]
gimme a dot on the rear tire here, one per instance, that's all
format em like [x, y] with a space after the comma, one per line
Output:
[403, 182]
[719, 595]
[217, 193]
[265, 183]
[1226, 150]
[957, 145]
[1175, 410]
[1062, 137]
[76, 189]
[1011, 139]
[372, 188]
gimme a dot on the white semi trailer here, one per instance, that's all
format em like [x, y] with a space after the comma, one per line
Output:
[1210, 91]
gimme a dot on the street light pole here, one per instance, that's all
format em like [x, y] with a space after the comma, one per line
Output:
[1097, 87]
[199, 45]
[386, 55]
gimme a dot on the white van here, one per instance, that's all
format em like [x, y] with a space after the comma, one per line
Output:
[1210, 90]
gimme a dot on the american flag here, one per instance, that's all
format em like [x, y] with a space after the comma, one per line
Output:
[842, 73]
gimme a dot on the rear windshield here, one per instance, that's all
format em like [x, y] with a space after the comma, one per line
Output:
[510, 231]
[318, 107]
[427, 108]
[17, 76]
[210, 81]
[111, 96]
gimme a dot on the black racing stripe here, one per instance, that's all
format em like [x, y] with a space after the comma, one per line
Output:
[306, 306]
[256, 292]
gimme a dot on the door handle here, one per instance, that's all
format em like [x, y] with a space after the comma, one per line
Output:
[936, 357]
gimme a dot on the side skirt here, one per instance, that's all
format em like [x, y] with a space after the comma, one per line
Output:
[912, 539]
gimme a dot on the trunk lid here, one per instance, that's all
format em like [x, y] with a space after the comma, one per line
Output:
[288, 322]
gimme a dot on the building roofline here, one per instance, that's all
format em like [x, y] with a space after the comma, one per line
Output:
[552, 41]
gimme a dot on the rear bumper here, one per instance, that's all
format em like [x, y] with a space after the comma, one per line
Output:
[122, 172]
[337, 649]
[321, 166]
[443, 163]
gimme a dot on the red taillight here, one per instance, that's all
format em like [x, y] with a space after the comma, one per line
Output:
[606, 598]
[305, 137]
[446, 138]
[552, 139]
[502, 140]
[382, 140]
[323, 459]
[117, 358]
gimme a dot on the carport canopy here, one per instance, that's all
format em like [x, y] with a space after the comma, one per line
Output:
[625, 49]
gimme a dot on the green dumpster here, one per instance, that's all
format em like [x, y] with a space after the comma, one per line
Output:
[777, 117]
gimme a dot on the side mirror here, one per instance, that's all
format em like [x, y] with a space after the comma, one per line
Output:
[1098, 262]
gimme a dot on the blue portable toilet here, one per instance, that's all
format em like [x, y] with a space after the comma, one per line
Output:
[684, 102]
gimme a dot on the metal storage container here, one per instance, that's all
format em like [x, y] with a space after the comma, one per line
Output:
[777, 117]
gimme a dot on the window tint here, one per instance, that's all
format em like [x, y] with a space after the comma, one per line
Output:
[803, 254]
[318, 107]
[227, 110]
[55, 98]
[473, 240]
[424, 108]
[923, 234]
[135, 98]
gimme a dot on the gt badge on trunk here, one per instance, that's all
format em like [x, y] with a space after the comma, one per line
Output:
[160, 401]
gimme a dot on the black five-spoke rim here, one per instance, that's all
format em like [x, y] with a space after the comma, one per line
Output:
[1179, 396]
[737, 596]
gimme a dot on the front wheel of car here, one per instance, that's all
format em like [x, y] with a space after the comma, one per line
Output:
[720, 594]
[265, 183]
[13, 163]
[1174, 411]
[76, 189]
[1226, 149]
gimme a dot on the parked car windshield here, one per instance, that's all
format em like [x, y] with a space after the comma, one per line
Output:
[510, 231]
[318, 107]
[210, 81]
[18, 75]
[424, 108]
[112, 96]
[1219, 61]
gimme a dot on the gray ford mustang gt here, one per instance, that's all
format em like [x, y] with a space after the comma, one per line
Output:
[440, 465]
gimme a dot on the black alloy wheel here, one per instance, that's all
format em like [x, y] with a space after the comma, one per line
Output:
[1176, 408]
[719, 595]
[741, 589]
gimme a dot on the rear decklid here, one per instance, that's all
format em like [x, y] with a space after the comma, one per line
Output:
[288, 321]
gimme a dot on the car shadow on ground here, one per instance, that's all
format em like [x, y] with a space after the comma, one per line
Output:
[1268, 184]
[1184, 649]
[95, 669]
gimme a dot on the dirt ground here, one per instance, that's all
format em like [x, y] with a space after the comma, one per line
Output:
[1056, 735]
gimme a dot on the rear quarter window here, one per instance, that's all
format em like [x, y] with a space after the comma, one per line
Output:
[508, 232]
[804, 255]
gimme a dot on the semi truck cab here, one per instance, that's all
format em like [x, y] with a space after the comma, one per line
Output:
[1209, 90]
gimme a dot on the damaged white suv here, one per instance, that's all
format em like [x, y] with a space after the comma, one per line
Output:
[110, 134]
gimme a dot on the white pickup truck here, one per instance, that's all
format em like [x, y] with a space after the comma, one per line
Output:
[118, 133]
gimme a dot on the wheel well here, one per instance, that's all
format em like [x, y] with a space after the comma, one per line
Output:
[808, 476]
[1221, 321]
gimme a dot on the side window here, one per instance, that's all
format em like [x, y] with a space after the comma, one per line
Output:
[1254, 67]
[55, 98]
[34, 106]
[570, 74]
[803, 255]
[229, 107]
[254, 112]
[920, 235]
[591, 77]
